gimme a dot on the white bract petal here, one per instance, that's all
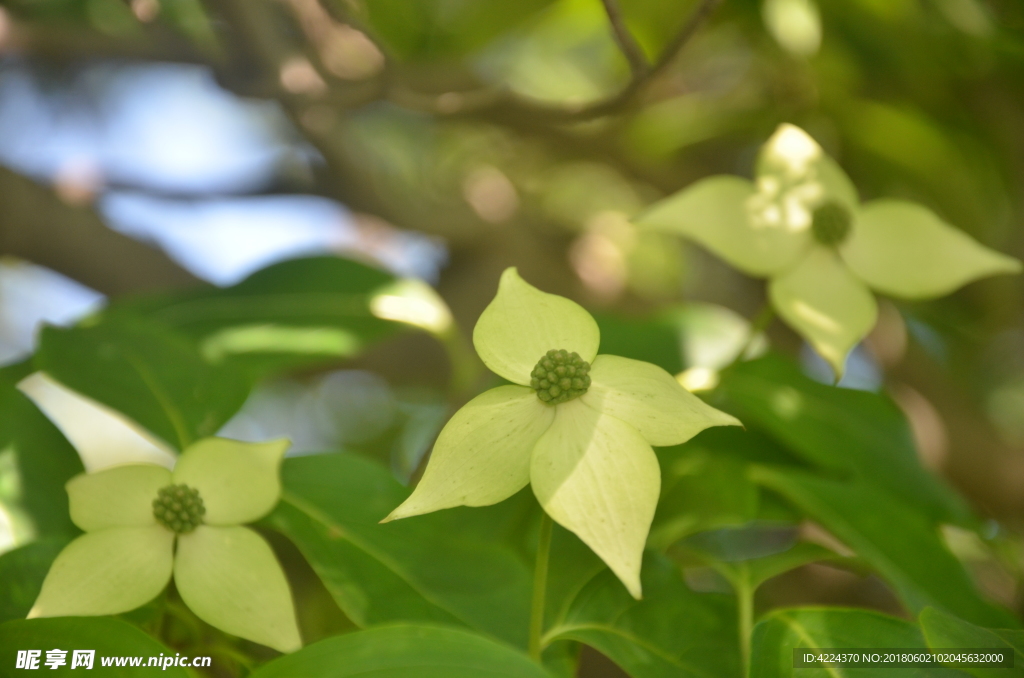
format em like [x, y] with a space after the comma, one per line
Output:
[483, 453]
[823, 301]
[731, 218]
[238, 482]
[522, 324]
[794, 176]
[651, 400]
[230, 578]
[107, 572]
[116, 497]
[102, 436]
[596, 476]
[905, 250]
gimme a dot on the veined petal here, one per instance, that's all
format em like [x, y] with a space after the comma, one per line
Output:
[483, 453]
[822, 300]
[651, 400]
[238, 482]
[727, 215]
[906, 250]
[107, 572]
[792, 165]
[116, 497]
[230, 578]
[522, 323]
[596, 476]
[103, 437]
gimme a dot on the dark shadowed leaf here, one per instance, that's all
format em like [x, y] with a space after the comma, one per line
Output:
[899, 542]
[422, 568]
[861, 434]
[43, 459]
[404, 651]
[108, 637]
[21, 576]
[299, 312]
[778, 633]
[147, 372]
[673, 632]
[943, 630]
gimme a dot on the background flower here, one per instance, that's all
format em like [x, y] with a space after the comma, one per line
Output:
[801, 225]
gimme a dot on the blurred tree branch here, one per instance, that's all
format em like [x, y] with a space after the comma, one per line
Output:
[627, 43]
[37, 226]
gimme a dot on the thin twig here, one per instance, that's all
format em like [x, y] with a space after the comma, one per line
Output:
[627, 43]
[503, 106]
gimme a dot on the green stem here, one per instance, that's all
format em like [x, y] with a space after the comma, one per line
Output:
[745, 605]
[540, 586]
[758, 325]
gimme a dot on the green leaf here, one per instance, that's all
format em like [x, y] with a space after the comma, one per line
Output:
[899, 542]
[108, 637]
[854, 433]
[778, 633]
[943, 630]
[21, 576]
[701, 491]
[43, 458]
[420, 569]
[146, 372]
[671, 633]
[404, 651]
[298, 312]
[760, 570]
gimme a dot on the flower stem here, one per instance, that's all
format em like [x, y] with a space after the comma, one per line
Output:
[758, 325]
[540, 586]
[745, 605]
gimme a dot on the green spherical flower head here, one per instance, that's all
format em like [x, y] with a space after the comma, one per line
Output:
[831, 223]
[179, 508]
[560, 376]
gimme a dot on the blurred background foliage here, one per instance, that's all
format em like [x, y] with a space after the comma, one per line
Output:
[193, 184]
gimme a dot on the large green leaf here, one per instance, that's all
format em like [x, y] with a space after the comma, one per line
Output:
[297, 312]
[44, 460]
[899, 542]
[21, 576]
[859, 434]
[420, 568]
[147, 372]
[943, 630]
[673, 632]
[777, 634]
[404, 651]
[110, 638]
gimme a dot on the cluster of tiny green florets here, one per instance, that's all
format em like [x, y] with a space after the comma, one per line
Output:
[179, 508]
[560, 376]
[831, 223]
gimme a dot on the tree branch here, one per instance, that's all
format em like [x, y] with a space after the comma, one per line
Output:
[502, 107]
[37, 226]
[627, 43]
